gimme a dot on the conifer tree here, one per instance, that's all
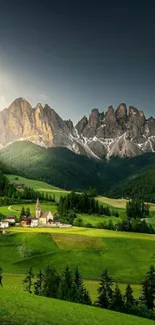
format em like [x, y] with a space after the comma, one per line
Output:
[148, 289]
[66, 285]
[28, 281]
[51, 282]
[105, 291]
[27, 212]
[79, 292]
[38, 285]
[128, 298]
[86, 300]
[22, 213]
[117, 299]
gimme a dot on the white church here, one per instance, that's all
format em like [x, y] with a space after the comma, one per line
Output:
[42, 217]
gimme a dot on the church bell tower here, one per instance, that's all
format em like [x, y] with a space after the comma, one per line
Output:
[38, 209]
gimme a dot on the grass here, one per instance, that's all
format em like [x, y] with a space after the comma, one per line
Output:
[37, 185]
[95, 220]
[22, 308]
[91, 249]
[14, 281]
[16, 209]
[119, 203]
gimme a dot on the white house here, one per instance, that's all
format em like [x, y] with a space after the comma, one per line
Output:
[4, 224]
[11, 219]
[34, 222]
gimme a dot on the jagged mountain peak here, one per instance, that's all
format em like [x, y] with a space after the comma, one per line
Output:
[122, 131]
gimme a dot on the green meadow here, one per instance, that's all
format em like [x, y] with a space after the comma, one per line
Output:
[37, 185]
[16, 209]
[126, 255]
[19, 308]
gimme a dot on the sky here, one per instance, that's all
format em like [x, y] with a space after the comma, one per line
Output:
[78, 55]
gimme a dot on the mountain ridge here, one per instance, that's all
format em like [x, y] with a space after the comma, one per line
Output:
[122, 132]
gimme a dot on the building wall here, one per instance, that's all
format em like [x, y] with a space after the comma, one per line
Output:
[4, 224]
[42, 220]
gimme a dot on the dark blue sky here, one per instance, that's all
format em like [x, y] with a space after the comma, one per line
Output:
[77, 55]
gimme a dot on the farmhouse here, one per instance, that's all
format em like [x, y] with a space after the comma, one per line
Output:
[11, 220]
[34, 222]
[4, 224]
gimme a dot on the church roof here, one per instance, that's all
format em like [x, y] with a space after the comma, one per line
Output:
[44, 214]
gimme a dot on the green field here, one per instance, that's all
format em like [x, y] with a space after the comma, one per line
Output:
[16, 209]
[126, 255]
[95, 220]
[22, 308]
[37, 185]
[91, 249]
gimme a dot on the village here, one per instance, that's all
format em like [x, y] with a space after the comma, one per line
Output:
[41, 219]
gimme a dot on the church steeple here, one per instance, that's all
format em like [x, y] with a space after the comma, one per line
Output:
[38, 209]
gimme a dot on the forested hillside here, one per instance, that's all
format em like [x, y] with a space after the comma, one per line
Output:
[141, 186]
[65, 169]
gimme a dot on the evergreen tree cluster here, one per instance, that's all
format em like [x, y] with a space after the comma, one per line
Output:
[30, 194]
[80, 203]
[6, 189]
[114, 299]
[137, 209]
[67, 286]
[13, 196]
[133, 225]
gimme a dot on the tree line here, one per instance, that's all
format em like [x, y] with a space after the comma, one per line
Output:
[126, 303]
[69, 286]
[14, 196]
[84, 202]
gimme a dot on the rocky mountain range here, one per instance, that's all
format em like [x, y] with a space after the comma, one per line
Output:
[122, 132]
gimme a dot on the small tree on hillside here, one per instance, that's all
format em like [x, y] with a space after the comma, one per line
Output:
[28, 281]
[38, 284]
[22, 213]
[105, 291]
[27, 212]
[66, 285]
[51, 282]
[148, 288]
[137, 209]
[128, 298]
[117, 299]
[80, 294]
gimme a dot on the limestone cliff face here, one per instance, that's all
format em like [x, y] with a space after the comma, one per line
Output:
[121, 132]
[39, 125]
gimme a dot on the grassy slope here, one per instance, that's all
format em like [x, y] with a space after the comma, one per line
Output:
[36, 185]
[23, 308]
[95, 220]
[16, 209]
[91, 249]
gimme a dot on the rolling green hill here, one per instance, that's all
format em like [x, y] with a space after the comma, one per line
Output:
[65, 169]
[36, 185]
[91, 249]
[23, 308]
